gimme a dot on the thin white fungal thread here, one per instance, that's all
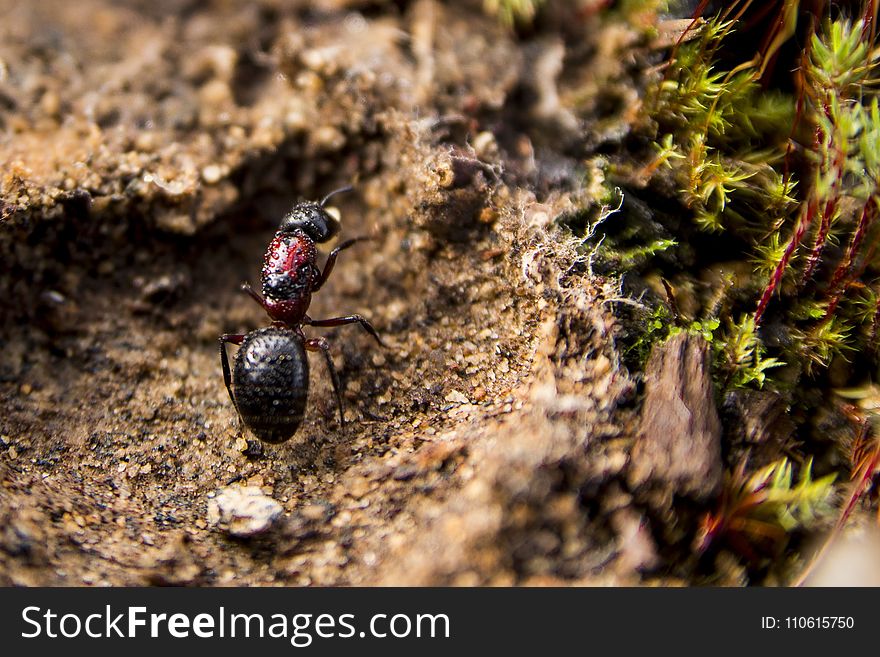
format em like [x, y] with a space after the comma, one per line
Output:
[530, 265]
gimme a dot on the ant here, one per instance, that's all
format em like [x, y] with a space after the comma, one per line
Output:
[270, 375]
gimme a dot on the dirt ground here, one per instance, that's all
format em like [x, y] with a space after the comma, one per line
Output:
[149, 150]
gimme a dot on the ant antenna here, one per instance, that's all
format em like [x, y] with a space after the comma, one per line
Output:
[324, 200]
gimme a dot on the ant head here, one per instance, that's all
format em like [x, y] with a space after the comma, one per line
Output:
[312, 219]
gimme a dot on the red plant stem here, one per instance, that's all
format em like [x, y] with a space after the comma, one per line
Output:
[837, 165]
[804, 221]
[855, 276]
[821, 237]
[835, 288]
[861, 478]
[801, 82]
[745, 5]
[869, 16]
[872, 337]
[698, 11]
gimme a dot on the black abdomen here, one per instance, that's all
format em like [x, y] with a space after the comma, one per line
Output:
[271, 383]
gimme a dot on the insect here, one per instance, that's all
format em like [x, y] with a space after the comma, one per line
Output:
[269, 380]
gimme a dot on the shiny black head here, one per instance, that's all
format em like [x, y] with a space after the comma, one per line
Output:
[312, 219]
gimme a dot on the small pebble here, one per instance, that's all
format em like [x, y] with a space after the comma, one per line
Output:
[456, 397]
[243, 511]
[212, 174]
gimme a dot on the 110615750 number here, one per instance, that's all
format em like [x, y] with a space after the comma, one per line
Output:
[808, 623]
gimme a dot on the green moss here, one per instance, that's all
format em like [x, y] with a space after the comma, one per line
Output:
[732, 149]
[513, 12]
[790, 179]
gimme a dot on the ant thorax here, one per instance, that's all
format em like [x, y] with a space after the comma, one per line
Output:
[289, 270]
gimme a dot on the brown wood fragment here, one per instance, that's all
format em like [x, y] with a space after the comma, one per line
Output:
[678, 446]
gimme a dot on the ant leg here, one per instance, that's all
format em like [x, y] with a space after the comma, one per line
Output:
[331, 260]
[234, 338]
[342, 321]
[320, 344]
